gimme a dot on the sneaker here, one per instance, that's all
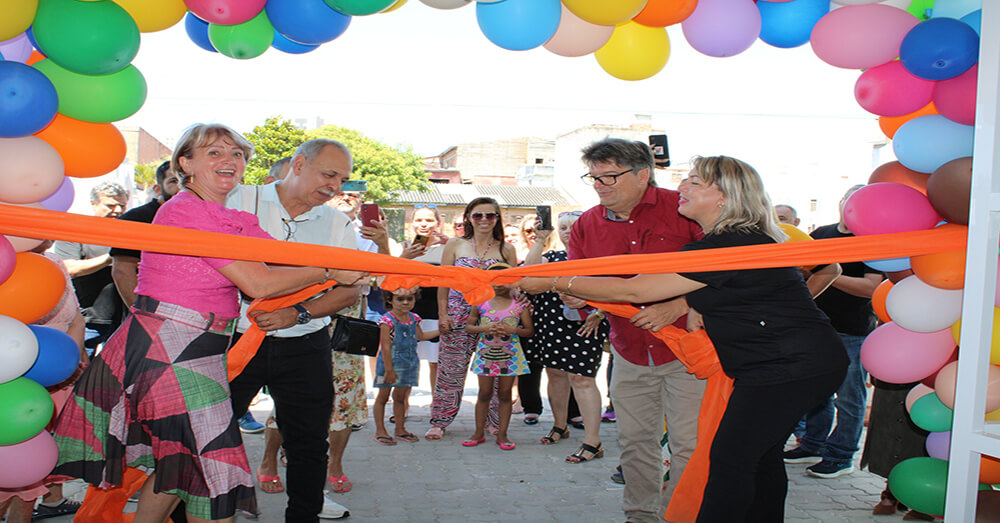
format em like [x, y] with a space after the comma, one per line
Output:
[250, 425]
[801, 455]
[332, 510]
[827, 469]
[618, 477]
[66, 506]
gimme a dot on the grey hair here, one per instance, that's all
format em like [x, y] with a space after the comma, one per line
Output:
[312, 148]
[201, 134]
[626, 153]
[111, 189]
[747, 206]
[278, 165]
[795, 214]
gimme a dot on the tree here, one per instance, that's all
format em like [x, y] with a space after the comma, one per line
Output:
[274, 140]
[145, 174]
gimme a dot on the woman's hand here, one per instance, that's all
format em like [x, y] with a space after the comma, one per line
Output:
[695, 321]
[437, 239]
[347, 277]
[445, 324]
[413, 250]
[541, 234]
[376, 233]
[535, 285]
[590, 326]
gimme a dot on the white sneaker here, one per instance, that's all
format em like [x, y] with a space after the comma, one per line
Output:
[332, 510]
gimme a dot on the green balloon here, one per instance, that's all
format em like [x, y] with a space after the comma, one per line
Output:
[26, 409]
[98, 99]
[930, 414]
[359, 7]
[919, 8]
[86, 37]
[920, 483]
[243, 41]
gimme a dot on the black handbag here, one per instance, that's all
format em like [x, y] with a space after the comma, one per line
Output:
[355, 336]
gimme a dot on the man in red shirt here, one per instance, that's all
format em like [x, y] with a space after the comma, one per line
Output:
[648, 383]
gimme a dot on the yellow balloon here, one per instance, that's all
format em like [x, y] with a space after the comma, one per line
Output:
[395, 6]
[605, 12]
[16, 17]
[794, 233]
[634, 52]
[956, 332]
[154, 15]
[993, 416]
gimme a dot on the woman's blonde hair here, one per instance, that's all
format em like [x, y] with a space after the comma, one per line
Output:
[747, 207]
[199, 135]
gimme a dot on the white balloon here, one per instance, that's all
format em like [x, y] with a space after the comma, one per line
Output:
[918, 307]
[446, 4]
[18, 348]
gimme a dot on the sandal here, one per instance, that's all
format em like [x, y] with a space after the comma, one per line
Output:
[341, 484]
[270, 484]
[578, 457]
[409, 436]
[555, 435]
[385, 440]
[434, 433]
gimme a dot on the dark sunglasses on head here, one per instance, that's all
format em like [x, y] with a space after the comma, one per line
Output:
[483, 216]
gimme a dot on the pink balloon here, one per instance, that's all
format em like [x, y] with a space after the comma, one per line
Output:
[882, 208]
[939, 444]
[917, 392]
[8, 258]
[896, 355]
[62, 199]
[30, 171]
[890, 90]
[17, 49]
[861, 36]
[955, 98]
[946, 380]
[28, 462]
[225, 12]
[722, 27]
[577, 37]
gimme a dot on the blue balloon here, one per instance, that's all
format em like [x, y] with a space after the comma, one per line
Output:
[928, 142]
[31, 38]
[519, 25]
[975, 21]
[939, 48]
[789, 24]
[954, 8]
[889, 264]
[288, 46]
[28, 100]
[310, 22]
[58, 356]
[197, 30]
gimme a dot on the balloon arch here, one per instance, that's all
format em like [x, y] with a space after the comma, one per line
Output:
[65, 75]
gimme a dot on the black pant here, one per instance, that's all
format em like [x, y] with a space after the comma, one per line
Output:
[528, 389]
[298, 374]
[746, 478]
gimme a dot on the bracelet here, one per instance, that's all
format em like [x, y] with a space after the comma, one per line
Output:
[554, 282]
[569, 286]
[326, 276]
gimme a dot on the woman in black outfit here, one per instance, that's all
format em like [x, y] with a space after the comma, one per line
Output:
[778, 347]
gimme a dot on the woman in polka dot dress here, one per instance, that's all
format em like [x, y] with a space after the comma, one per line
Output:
[570, 350]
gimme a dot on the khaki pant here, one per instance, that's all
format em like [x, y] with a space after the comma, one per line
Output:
[642, 396]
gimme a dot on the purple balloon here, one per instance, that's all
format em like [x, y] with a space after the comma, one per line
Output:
[722, 27]
[17, 49]
[939, 444]
[8, 258]
[62, 198]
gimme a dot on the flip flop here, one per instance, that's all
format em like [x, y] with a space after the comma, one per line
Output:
[385, 440]
[409, 436]
[270, 484]
[341, 484]
[434, 433]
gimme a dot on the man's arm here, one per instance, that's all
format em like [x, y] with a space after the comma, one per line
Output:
[77, 268]
[335, 299]
[821, 280]
[860, 286]
[124, 271]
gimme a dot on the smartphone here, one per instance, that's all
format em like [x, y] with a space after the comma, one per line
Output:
[544, 213]
[661, 153]
[369, 214]
[421, 240]
[355, 186]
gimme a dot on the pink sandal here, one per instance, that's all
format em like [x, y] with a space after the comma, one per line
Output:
[434, 433]
[341, 484]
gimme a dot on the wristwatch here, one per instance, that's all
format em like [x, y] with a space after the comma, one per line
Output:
[304, 315]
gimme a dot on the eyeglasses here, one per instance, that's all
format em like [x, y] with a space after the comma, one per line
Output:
[605, 179]
[570, 213]
[291, 226]
[484, 216]
[427, 205]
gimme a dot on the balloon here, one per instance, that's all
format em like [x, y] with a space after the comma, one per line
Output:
[245, 40]
[939, 48]
[97, 99]
[661, 13]
[154, 15]
[722, 27]
[62, 199]
[634, 52]
[197, 31]
[306, 21]
[930, 379]
[948, 190]
[225, 12]
[794, 233]
[918, 307]
[928, 142]
[577, 37]
[956, 332]
[602, 12]
[92, 38]
[894, 172]
[359, 7]
[989, 470]
[23, 244]
[31, 169]
[918, 391]
[18, 350]
[446, 4]
[896, 355]
[87, 149]
[975, 20]
[955, 98]
[861, 36]
[28, 462]
[8, 257]
[944, 386]
[17, 17]
[889, 264]
[890, 90]
[58, 356]
[931, 415]
[394, 6]
[920, 8]
[944, 270]
[890, 124]
[34, 289]
[17, 49]
[954, 8]
[789, 24]
[287, 46]
[938, 444]
[519, 25]
[882, 208]
[28, 100]
[920, 484]
[878, 300]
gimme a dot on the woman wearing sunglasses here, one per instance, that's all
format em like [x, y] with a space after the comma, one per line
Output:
[481, 245]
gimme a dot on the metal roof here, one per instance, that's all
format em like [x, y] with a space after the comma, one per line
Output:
[505, 195]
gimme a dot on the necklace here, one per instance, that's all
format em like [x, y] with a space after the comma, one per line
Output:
[482, 256]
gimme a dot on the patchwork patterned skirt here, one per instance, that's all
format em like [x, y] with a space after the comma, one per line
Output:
[157, 398]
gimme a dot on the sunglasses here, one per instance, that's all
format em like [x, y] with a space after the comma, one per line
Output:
[427, 205]
[570, 213]
[484, 216]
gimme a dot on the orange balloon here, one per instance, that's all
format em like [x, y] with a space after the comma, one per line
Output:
[35, 57]
[661, 13]
[944, 270]
[894, 172]
[87, 149]
[891, 124]
[989, 470]
[34, 289]
[878, 300]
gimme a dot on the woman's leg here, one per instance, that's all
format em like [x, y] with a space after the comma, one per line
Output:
[154, 507]
[482, 405]
[504, 389]
[558, 395]
[453, 364]
[589, 399]
[433, 374]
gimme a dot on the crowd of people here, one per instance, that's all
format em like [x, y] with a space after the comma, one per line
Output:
[155, 394]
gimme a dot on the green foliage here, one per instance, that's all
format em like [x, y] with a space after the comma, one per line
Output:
[274, 140]
[145, 174]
